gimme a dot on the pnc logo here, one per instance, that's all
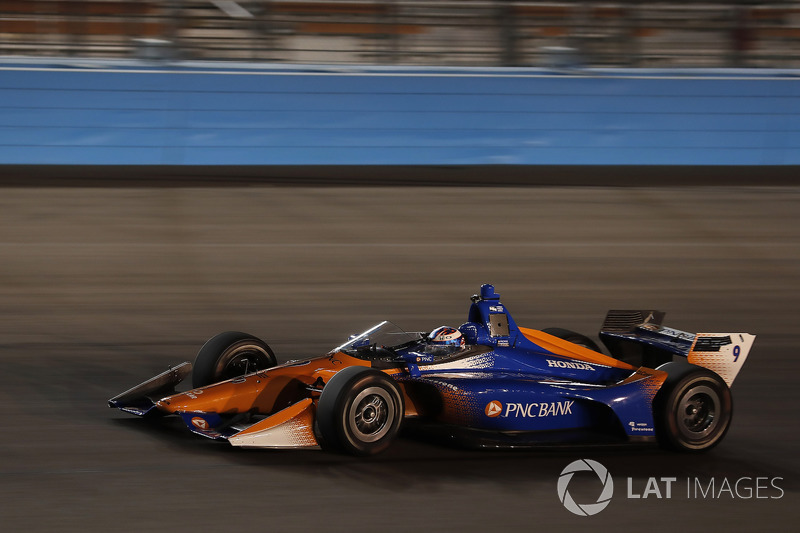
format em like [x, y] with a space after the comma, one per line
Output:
[493, 409]
[199, 423]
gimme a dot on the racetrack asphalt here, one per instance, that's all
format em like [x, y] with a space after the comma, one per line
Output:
[103, 288]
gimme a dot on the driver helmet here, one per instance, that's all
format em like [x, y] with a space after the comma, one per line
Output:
[446, 336]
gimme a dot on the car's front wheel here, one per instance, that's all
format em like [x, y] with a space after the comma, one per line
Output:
[229, 355]
[360, 411]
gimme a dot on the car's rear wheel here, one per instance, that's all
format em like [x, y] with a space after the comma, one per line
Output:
[573, 337]
[693, 409]
[360, 411]
[229, 355]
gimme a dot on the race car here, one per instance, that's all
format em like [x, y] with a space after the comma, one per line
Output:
[487, 383]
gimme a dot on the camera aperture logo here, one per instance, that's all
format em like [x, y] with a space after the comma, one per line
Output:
[587, 509]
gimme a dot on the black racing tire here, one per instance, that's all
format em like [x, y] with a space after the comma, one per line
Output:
[573, 337]
[359, 412]
[693, 408]
[229, 355]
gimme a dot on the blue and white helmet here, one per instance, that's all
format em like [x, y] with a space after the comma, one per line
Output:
[446, 336]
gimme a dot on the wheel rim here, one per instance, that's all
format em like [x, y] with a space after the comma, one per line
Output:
[371, 414]
[698, 412]
[243, 360]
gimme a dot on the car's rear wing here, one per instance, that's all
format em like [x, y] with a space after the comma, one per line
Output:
[639, 337]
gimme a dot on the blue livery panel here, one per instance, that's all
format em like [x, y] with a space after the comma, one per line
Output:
[518, 385]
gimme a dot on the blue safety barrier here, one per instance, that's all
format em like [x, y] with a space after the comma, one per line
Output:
[127, 114]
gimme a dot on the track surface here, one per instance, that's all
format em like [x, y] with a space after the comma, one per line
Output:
[102, 288]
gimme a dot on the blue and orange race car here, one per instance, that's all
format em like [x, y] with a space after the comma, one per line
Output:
[487, 383]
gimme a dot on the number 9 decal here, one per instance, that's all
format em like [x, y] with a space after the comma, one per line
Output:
[736, 352]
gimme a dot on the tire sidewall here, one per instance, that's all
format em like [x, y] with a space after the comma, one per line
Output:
[670, 398]
[218, 351]
[338, 400]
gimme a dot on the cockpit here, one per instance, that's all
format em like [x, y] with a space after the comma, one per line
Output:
[387, 342]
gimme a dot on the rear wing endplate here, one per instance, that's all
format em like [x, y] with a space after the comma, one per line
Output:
[639, 334]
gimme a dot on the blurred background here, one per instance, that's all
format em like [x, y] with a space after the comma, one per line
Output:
[638, 33]
[301, 170]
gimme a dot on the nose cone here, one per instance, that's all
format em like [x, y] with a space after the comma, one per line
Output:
[229, 397]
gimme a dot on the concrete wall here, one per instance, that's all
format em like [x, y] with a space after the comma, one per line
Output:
[204, 115]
